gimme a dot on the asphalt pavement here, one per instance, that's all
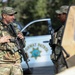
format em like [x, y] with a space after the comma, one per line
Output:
[40, 71]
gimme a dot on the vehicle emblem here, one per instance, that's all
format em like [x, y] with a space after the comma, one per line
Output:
[35, 53]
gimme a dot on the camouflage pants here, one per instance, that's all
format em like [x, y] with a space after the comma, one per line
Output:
[58, 60]
[10, 69]
[59, 65]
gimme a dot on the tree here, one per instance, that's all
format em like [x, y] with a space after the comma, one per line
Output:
[40, 10]
[29, 10]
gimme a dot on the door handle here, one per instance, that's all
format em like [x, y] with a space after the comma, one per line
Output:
[45, 41]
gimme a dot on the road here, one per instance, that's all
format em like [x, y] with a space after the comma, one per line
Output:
[41, 71]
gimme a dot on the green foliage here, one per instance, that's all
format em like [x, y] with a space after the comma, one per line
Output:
[40, 9]
[29, 10]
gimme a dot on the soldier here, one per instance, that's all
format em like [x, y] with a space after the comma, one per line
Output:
[57, 55]
[9, 59]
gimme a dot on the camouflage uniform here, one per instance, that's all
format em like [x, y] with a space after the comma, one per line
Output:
[57, 56]
[9, 61]
[57, 51]
[60, 63]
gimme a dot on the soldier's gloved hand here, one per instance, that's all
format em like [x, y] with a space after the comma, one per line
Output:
[5, 39]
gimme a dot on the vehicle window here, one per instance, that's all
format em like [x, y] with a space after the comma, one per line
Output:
[37, 29]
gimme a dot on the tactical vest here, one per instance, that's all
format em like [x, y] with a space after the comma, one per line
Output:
[7, 49]
[58, 36]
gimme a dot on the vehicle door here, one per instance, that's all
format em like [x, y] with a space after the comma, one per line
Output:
[37, 43]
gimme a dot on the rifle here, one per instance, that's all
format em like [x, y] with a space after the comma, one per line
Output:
[20, 44]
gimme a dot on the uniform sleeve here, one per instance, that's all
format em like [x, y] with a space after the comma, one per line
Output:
[16, 27]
